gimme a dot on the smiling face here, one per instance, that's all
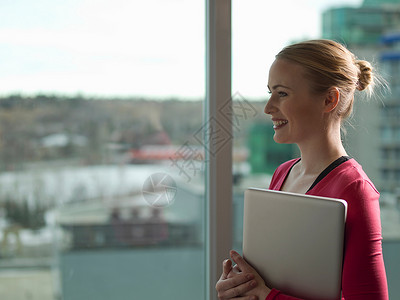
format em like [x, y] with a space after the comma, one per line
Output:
[297, 113]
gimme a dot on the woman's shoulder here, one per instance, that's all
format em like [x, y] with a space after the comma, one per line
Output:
[351, 177]
[355, 172]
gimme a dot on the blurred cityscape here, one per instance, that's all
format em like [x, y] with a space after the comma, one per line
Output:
[73, 220]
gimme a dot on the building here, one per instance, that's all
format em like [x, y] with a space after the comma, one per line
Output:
[390, 115]
[361, 26]
[265, 154]
[361, 29]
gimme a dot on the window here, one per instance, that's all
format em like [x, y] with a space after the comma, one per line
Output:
[102, 102]
[373, 135]
[101, 156]
[387, 134]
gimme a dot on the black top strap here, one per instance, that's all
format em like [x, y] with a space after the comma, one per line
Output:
[325, 172]
[332, 166]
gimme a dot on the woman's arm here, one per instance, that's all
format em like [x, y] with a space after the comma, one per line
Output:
[364, 275]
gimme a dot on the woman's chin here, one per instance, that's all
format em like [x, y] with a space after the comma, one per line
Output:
[281, 140]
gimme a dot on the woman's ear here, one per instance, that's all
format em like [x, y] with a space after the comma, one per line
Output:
[332, 99]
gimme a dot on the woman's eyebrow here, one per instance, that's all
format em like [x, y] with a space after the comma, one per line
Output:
[279, 85]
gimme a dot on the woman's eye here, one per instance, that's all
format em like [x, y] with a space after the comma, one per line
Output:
[280, 93]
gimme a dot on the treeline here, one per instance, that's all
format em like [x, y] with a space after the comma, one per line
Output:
[46, 127]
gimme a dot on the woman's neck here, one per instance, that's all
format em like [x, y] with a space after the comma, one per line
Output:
[316, 155]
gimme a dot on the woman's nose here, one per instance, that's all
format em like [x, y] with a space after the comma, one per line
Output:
[268, 107]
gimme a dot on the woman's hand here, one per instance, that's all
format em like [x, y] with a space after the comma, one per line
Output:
[236, 285]
[240, 282]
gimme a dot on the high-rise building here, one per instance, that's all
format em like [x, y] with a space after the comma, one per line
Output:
[361, 29]
[390, 115]
[361, 26]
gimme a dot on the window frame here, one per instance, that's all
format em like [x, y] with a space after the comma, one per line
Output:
[219, 168]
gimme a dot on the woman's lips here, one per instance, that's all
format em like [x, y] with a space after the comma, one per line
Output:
[279, 123]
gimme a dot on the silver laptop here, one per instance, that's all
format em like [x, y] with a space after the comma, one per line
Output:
[295, 242]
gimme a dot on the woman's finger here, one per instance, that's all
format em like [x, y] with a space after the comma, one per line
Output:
[233, 282]
[235, 287]
[226, 266]
[234, 271]
[242, 264]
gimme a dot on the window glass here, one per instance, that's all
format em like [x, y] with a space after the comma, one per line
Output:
[372, 136]
[387, 134]
[101, 159]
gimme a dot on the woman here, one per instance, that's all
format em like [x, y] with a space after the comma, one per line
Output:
[312, 87]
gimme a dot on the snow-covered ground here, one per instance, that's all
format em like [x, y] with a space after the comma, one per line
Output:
[69, 184]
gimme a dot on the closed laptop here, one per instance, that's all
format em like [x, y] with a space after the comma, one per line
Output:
[295, 242]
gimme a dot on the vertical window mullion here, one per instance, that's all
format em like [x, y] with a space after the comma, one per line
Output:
[218, 139]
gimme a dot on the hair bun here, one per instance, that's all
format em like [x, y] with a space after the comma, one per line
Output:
[365, 77]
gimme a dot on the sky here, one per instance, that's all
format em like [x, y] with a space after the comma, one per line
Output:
[152, 48]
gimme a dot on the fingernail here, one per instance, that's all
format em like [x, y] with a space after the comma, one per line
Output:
[233, 252]
[249, 276]
[253, 283]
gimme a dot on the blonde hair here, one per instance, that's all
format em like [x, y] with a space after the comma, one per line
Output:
[329, 64]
